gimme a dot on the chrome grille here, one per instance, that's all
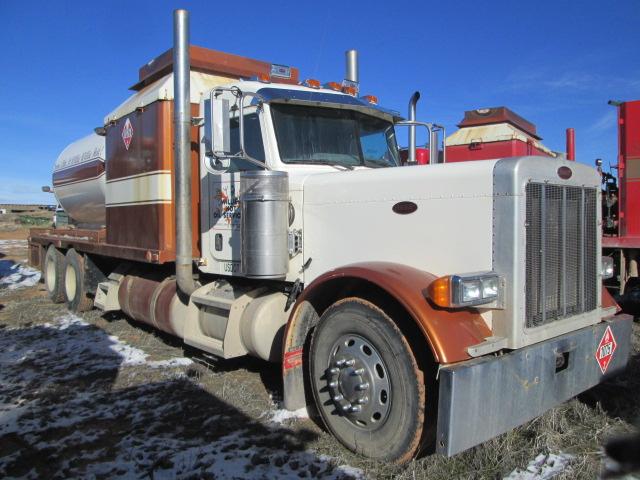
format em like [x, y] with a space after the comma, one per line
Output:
[561, 256]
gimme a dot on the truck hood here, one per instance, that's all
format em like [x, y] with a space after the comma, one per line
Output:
[349, 218]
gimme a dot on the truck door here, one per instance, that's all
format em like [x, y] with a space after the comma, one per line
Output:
[224, 191]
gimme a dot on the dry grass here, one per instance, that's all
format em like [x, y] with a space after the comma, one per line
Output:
[248, 388]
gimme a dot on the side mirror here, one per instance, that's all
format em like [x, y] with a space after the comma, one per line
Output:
[46, 189]
[598, 162]
[100, 131]
[217, 127]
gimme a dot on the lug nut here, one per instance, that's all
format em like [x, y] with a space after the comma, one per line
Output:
[363, 400]
[350, 363]
[358, 371]
[333, 384]
[362, 386]
[346, 408]
[334, 370]
[355, 409]
[340, 363]
[337, 397]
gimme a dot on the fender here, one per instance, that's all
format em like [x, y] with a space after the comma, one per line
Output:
[447, 332]
[608, 302]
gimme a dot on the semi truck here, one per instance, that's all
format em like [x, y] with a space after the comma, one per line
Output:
[413, 308]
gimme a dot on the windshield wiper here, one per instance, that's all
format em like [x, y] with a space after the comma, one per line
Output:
[327, 162]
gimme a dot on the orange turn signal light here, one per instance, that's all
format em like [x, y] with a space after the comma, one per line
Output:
[439, 291]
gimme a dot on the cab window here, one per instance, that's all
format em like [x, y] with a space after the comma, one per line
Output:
[252, 142]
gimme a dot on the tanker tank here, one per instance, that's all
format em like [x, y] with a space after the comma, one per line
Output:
[79, 181]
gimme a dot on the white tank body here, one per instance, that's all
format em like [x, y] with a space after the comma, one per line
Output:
[79, 181]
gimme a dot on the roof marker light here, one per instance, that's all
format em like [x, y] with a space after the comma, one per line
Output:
[333, 86]
[261, 77]
[349, 90]
[312, 83]
[372, 99]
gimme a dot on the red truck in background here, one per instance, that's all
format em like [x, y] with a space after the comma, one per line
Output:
[621, 209]
[489, 133]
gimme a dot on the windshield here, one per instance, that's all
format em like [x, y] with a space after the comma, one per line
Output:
[334, 137]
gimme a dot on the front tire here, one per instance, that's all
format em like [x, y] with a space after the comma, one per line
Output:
[366, 382]
[75, 288]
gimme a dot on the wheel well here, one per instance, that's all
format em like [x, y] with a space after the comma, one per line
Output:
[345, 287]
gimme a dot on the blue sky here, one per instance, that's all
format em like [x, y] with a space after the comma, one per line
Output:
[66, 64]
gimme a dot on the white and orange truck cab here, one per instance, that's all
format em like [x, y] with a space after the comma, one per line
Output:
[248, 213]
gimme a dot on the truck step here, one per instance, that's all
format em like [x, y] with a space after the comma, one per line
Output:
[221, 296]
[107, 296]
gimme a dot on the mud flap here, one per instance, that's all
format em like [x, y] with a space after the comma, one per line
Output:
[484, 397]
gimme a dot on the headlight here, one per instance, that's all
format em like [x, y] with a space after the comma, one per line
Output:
[471, 290]
[607, 268]
[455, 291]
[490, 287]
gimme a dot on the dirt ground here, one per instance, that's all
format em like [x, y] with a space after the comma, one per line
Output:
[16, 224]
[99, 396]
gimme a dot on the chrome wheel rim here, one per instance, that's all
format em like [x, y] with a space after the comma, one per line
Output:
[358, 382]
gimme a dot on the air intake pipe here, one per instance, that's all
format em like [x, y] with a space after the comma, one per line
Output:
[412, 129]
[182, 152]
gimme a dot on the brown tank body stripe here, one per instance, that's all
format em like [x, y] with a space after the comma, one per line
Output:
[79, 173]
[140, 213]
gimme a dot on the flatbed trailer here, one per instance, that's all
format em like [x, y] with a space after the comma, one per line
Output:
[91, 242]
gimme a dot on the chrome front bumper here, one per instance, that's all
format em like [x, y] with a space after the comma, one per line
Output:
[484, 397]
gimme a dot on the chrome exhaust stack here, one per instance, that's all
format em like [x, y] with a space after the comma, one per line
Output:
[412, 129]
[182, 151]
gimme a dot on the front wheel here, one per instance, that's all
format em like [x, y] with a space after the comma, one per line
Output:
[366, 381]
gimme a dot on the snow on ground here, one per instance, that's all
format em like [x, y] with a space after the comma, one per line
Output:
[280, 416]
[544, 467]
[77, 402]
[14, 275]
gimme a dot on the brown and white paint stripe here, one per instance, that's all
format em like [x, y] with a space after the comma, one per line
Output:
[83, 172]
[149, 188]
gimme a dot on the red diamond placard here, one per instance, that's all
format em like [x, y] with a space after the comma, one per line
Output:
[606, 347]
[127, 134]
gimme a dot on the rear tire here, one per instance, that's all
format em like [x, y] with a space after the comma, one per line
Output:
[54, 266]
[366, 382]
[75, 288]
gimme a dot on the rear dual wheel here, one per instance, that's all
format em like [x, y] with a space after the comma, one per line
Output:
[54, 266]
[75, 285]
[366, 382]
